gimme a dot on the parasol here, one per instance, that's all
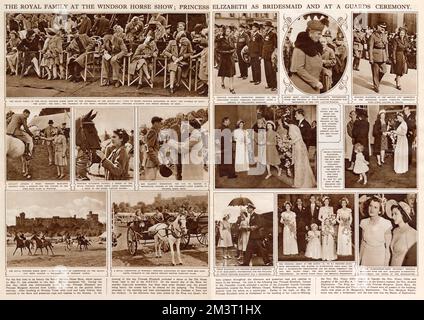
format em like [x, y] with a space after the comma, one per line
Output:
[240, 201]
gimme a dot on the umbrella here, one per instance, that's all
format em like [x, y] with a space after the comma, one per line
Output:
[240, 201]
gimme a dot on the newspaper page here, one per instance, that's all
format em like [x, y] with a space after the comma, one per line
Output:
[211, 149]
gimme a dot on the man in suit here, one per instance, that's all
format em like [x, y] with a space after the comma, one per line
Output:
[49, 133]
[101, 25]
[115, 50]
[243, 40]
[358, 47]
[312, 211]
[360, 132]
[301, 224]
[255, 53]
[379, 54]
[14, 128]
[152, 142]
[223, 139]
[255, 243]
[412, 127]
[76, 52]
[304, 126]
[268, 50]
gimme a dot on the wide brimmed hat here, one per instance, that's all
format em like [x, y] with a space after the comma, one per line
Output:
[381, 111]
[315, 25]
[404, 207]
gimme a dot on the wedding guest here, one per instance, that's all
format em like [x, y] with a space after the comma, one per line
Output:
[225, 239]
[411, 200]
[344, 236]
[225, 48]
[412, 127]
[223, 138]
[360, 133]
[301, 223]
[401, 149]
[400, 47]
[404, 236]
[312, 211]
[376, 235]
[241, 138]
[288, 220]
[272, 157]
[380, 137]
[313, 248]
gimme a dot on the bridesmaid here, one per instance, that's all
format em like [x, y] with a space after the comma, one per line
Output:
[380, 137]
[288, 220]
[344, 235]
[328, 233]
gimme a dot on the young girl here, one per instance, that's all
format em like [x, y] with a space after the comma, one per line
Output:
[361, 165]
[225, 239]
[313, 248]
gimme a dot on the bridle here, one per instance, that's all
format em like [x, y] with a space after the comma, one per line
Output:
[177, 233]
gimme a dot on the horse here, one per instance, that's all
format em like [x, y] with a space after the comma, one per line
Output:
[83, 243]
[15, 148]
[22, 244]
[173, 234]
[68, 243]
[88, 141]
[40, 244]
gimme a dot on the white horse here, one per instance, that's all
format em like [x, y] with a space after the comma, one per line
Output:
[173, 234]
[15, 148]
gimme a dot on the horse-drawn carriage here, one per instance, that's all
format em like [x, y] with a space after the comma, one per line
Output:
[138, 232]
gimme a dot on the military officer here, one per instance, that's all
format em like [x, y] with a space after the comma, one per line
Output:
[358, 47]
[268, 49]
[378, 51]
[243, 40]
[255, 53]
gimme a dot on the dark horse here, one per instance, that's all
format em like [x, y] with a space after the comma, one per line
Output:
[22, 244]
[88, 141]
[42, 244]
[83, 243]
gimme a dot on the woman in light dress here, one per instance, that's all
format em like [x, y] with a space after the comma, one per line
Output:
[404, 236]
[272, 156]
[288, 220]
[303, 174]
[401, 148]
[244, 233]
[225, 239]
[240, 136]
[313, 248]
[380, 137]
[344, 235]
[376, 236]
[328, 233]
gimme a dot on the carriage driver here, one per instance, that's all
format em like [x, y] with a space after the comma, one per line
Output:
[14, 129]
[158, 216]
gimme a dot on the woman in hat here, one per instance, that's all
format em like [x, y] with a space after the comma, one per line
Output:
[243, 234]
[192, 152]
[288, 220]
[12, 52]
[401, 148]
[376, 235]
[404, 236]
[142, 61]
[400, 49]
[344, 236]
[341, 57]
[60, 152]
[328, 62]
[306, 63]
[379, 132]
[328, 221]
[241, 138]
[225, 48]
[272, 156]
[225, 239]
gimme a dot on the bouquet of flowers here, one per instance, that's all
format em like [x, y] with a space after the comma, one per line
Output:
[290, 223]
[284, 148]
[393, 137]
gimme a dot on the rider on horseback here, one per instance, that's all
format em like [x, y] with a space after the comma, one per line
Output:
[14, 125]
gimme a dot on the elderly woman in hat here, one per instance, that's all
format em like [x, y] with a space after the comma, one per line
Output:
[12, 52]
[225, 239]
[400, 48]
[225, 48]
[404, 236]
[306, 64]
[272, 156]
[379, 132]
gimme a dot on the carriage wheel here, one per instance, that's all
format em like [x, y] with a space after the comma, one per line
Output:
[131, 241]
[185, 240]
[203, 238]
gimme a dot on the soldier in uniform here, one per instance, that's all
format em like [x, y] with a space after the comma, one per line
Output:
[358, 47]
[268, 49]
[242, 41]
[255, 53]
[378, 51]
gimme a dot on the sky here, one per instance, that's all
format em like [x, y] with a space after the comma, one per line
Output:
[110, 118]
[145, 115]
[148, 197]
[48, 204]
[264, 202]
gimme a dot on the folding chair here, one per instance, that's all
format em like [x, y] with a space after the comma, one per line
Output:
[123, 68]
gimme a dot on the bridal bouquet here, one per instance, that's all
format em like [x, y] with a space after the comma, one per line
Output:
[393, 137]
[290, 223]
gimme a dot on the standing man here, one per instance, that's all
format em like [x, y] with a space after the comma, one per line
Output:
[152, 142]
[304, 126]
[254, 245]
[379, 54]
[14, 129]
[243, 40]
[49, 133]
[301, 224]
[410, 135]
[358, 47]
[360, 131]
[268, 51]
[224, 141]
[312, 211]
[255, 53]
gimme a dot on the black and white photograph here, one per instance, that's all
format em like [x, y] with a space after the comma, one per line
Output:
[316, 227]
[380, 146]
[388, 230]
[258, 146]
[104, 143]
[385, 53]
[55, 229]
[315, 53]
[242, 42]
[106, 55]
[37, 143]
[243, 229]
[173, 143]
[160, 229]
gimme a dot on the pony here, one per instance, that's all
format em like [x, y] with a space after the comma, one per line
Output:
[172, 233]
[40, 244]
[15, 148]
[22, 244]
[88, 141]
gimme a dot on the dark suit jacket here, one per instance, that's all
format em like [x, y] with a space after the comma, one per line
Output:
[257, 233]
[269, 45]
[301, 217]
[305, 130]
[311, 216]
[255, 45]
[412, 125]
[360, 132]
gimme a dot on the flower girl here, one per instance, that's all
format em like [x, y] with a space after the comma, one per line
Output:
[313, 248]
